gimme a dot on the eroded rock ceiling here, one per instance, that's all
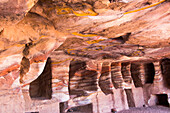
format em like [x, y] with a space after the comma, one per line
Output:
[99, 31]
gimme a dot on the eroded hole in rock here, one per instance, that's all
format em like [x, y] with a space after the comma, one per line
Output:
[149, 72]
[135, 73]
[112, 1]
[41, 88]
[126, 36]
[130, 99]
[165, 66]
[81, 79]
[162, 99]
[147, 3]
[122, 39]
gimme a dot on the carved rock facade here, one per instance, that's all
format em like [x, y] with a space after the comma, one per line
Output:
[89, 56]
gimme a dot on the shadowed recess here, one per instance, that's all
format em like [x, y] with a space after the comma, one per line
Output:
[78, 109]
[162, 99]
[125, 70]
[63, 106]
[135, 73]
[105, 79]
[149, 72]
[130, 99]
[165, 66]
[81, 109]
[75, 66]
[41, 88]
[116, 75]
[80, 79]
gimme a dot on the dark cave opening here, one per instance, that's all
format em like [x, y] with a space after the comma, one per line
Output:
[78, 109]
[116, 75]
[149, 72]
[111, 1]
[76, 66]
[125, 70]
[162, 99]
[165, 67]
[105, 79]
[135, 73]
[81, 79]
[73, 84]
[41, 88]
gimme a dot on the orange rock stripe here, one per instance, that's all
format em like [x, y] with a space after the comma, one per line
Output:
[9, 69]
[16, 66]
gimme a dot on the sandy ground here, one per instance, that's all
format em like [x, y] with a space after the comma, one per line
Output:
[153, 109]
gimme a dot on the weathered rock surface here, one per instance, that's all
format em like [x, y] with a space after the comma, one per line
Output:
[70, 55]
[13, 11]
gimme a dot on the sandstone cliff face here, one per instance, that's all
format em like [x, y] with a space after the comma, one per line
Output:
[83, 55]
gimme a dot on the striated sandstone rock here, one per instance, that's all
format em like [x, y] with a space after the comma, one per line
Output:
[115, 57]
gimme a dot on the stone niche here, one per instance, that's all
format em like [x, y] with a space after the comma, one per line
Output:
[41, 88]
